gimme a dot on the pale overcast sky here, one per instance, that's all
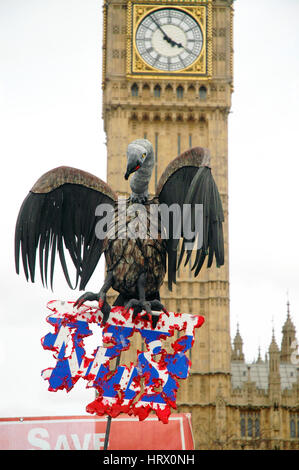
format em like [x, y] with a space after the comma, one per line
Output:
[50, 115]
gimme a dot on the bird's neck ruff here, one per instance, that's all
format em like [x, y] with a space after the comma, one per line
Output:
[140, 180]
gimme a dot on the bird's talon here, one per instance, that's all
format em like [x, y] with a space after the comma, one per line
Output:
[87, 296]
[102, 304]
[105, 309]
[146, 306]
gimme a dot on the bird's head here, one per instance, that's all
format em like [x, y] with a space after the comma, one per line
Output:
[136, 156]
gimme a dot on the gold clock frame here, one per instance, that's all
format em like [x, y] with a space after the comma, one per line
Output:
[202, 14]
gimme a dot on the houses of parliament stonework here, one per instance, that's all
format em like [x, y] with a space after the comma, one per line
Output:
[179, 100]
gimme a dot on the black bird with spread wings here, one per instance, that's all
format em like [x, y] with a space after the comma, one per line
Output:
[60, 213]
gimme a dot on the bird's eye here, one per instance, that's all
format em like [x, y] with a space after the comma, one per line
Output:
[143, 155]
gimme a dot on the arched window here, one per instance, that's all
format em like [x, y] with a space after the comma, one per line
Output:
[257, 427]
[168, 91]
[134, 90]
[203, 93]
[243, 427]
[292, 428]
[249, 427]
[179, 92]
[191, 92]
[146, 91]
[157, 91]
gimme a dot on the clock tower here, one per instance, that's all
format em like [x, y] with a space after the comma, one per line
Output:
[168, 77]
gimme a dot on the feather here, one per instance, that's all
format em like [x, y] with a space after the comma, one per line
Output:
[188, 180]
[58, 215]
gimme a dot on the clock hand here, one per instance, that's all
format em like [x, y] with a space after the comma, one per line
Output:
[186, 49]
[178, 44]
[165, 36]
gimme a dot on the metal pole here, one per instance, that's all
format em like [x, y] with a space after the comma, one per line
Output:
[109, 419]
[107, 432]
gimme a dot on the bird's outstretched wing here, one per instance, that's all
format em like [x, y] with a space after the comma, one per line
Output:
[59, 214]
[188, 180]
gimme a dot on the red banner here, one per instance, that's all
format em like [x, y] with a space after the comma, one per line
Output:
[85, 433]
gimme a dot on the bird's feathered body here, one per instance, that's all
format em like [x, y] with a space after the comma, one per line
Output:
[127, 257]
[60, 212]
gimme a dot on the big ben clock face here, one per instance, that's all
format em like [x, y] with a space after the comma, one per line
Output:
[169, 39]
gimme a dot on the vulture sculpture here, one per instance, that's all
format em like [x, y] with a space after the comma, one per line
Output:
[61, 214]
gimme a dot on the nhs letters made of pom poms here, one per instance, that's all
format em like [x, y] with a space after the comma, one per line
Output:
[120, 389]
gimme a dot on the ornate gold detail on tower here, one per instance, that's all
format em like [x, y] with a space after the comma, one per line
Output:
[201, 67]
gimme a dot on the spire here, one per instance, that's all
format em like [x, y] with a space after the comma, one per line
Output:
[259, 359]
[288, 325]
[237, 351]
[288, 337]
[238, 336]
[273, 345]
[274, 367]
[274, 355]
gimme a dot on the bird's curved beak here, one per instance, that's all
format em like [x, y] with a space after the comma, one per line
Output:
[131, 170]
